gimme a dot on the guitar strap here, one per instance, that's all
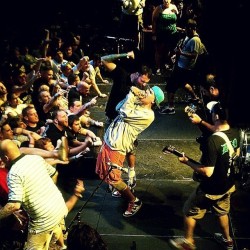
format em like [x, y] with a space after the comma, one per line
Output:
[229, 145]
[232, 154]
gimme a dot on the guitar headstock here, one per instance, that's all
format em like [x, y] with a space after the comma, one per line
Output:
[191, 109]
[171, 149]
[168, 149]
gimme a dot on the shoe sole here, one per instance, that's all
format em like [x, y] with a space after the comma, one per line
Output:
[116, 195]
[130, 215]
[221, 243]
[132, 186]
[173, 245]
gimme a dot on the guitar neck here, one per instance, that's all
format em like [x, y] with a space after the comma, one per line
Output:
[179, 154]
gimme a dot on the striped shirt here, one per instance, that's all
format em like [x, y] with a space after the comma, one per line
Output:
[30, 183]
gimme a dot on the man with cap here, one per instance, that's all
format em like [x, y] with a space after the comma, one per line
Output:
[202, 117]
[122, 82]
[135, 115]
[216, 183]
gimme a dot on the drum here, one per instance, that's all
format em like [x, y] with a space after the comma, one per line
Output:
[245, 146]
[245, 159]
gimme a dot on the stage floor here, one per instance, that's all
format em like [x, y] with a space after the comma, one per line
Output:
[163, 184]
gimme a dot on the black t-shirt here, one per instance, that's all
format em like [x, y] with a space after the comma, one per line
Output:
[73, 94]
[54, 134]
[76, 136]
[36, 85]
[37, 128]
[215, 153]
[42, 115]
[119, 90]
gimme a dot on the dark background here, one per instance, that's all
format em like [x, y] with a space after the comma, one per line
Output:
[223, 28]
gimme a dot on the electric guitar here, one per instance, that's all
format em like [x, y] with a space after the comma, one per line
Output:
[191, 109]
[171, 149]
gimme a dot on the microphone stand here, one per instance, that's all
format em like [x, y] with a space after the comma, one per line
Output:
[118, 41]
[77, 217]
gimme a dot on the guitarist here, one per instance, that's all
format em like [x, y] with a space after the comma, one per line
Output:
[184, 74]
[202, 118]
[217, 185]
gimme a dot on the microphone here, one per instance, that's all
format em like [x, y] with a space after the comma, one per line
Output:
[115, 166]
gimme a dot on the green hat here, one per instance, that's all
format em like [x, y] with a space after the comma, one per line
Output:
[159, 95]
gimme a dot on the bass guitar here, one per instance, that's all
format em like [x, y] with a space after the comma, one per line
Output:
[171, 149]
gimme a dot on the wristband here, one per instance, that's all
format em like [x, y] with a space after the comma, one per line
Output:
[78, 195]
[201, 121]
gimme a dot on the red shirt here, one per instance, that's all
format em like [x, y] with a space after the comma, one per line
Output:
[3, 186]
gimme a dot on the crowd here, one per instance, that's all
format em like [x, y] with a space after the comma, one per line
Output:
[46, 120]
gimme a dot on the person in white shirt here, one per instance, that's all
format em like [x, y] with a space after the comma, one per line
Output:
[132, 20]
[15, 105]
[38, 195]
[135, 115]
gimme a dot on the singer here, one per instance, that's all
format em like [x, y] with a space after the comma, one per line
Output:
[135, 114]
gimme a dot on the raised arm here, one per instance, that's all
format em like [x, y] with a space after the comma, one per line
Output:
[108, 60]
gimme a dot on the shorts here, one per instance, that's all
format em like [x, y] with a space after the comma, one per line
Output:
[198, 203]
[41, 241]
[105, 156]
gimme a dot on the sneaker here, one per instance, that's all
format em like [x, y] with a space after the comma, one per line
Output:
[132, 184]
[181, 243]
[116, 193]
[168, 67]
[133, 208]
[167, 111]
[158, 72]
[225, 243]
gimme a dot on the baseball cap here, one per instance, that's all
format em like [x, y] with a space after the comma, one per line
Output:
[217, 108]
[159, 95]
[211, 105]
